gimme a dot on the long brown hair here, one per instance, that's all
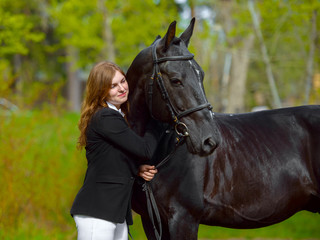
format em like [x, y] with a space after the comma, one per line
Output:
[98, 85]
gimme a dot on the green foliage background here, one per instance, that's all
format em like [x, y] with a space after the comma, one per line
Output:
[40, 173]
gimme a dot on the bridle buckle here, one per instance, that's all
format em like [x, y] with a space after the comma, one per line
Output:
[181, 129]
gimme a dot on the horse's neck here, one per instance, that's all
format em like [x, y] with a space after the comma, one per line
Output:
[138, 115]
[138, 124]
[136, 75]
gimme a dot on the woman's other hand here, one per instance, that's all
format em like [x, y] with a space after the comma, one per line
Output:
[147, 172]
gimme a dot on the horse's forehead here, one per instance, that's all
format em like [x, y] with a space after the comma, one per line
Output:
[183, 66]
[179, 48]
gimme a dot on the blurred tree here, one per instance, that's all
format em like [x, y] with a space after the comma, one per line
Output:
[223, 41]
[18, 30]
[310, 60]
[113, 30]
[108, 50]
[78, 27]
[256, 25]
[207, 35]
[290, 40]
[54, 43]
[233, 61]
[137, 23]
[239, 43]
[48, 46]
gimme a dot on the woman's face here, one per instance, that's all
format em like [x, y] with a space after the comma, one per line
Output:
[119, 91]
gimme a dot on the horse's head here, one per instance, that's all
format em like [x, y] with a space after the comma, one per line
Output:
[167, 83]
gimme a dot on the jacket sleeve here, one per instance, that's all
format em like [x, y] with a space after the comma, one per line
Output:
[113, 128]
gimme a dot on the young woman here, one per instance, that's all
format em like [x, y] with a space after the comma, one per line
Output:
[102, 207]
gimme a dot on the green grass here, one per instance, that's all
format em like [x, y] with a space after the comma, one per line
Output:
[303, 225]
[41, 172]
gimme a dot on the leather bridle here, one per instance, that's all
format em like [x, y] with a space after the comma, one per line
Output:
[179, 126]
[176, 116]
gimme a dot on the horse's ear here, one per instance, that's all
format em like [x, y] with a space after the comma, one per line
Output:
[186, 35]
[167, 39]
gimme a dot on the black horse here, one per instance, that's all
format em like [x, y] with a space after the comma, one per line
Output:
[234, 170]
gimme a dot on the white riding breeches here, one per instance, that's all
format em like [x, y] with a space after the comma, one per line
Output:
[90, 228]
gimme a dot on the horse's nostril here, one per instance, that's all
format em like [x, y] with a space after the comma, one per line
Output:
[209, 142]
[209, 145]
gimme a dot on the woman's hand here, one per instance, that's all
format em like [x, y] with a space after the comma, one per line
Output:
[147, 172]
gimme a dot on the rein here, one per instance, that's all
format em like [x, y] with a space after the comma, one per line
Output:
[151, 202]
[175, 115]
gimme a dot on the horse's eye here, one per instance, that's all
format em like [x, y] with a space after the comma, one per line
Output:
[176, 81]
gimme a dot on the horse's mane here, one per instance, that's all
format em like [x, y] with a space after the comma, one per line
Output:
[157, 38]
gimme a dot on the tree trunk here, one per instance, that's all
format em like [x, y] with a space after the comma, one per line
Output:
[108, 51]
[225, 81]
[239, 70]
[73, 81]
[192, 8]
[233, 84]
[17, 86]
[272, 84]
[310, 61]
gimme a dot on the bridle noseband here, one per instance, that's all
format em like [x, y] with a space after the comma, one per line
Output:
[176, 116]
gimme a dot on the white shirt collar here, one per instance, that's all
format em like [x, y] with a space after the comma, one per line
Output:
[110, 105]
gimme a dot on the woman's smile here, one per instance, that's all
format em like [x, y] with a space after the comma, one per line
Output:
[123, 94]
